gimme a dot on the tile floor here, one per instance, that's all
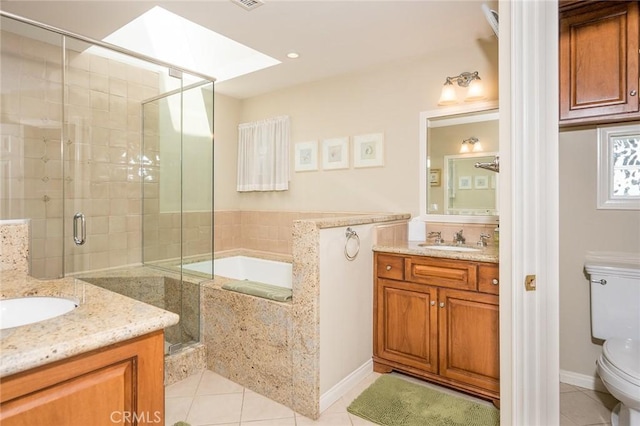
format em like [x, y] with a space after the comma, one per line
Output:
[207, 398]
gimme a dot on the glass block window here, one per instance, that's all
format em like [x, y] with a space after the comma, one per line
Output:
[619, 167]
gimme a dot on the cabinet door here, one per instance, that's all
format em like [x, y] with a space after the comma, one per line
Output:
[406, 324]
[469, 338]
[599, 61]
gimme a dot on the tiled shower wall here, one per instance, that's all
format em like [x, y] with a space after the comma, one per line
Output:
[102, 153]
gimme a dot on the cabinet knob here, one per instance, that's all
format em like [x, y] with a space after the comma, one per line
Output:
[388, 267]
[495, 281]
[442, 304]
[433, 303]
[633, 93]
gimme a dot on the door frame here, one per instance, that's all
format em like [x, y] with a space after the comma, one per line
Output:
[529, 210]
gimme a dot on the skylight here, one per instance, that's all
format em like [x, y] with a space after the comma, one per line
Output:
[171, 38]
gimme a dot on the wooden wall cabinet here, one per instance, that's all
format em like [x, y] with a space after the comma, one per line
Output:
[122, 384]
[438, 319]
[599, 52]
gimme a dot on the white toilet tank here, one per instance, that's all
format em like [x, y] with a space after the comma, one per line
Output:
[614, 279]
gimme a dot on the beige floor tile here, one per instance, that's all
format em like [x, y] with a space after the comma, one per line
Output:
[605, 399]
[215, 409]
[325, 419]
[273, 422]
[258, 407]
[566, 421]
[176, 409]
[185, 387]
[582, 409]
[565, 387]
[214, 384]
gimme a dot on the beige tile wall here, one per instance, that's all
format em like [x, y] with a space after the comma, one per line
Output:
[397, 233]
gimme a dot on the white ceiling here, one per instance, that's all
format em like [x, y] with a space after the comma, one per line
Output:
[332, 37]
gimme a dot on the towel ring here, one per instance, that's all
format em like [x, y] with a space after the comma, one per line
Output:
[350, 233]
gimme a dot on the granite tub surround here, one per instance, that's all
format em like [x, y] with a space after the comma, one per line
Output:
[14, 245]
[101, 319]
[272, 347]
[248, 340]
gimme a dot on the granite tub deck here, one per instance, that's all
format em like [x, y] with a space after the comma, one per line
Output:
[101, 319]
[161, 288]
[272, 347]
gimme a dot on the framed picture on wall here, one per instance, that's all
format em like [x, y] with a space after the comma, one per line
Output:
[368, 150]
[434, 177]
[306, 156]
[464, 182]
[335, 153]
[481, 182]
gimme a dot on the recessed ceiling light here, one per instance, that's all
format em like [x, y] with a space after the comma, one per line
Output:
[293, 55]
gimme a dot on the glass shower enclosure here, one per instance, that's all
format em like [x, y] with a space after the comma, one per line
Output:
[110, 155]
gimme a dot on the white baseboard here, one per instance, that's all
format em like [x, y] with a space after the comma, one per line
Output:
[345, 385]
[582, 380]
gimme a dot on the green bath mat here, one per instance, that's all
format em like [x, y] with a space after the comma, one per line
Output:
[392, 401]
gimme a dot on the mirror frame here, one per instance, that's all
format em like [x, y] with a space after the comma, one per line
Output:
[425, 116]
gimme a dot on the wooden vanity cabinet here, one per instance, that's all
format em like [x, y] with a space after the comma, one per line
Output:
[122, 384]
[599, 49]
[438, 320]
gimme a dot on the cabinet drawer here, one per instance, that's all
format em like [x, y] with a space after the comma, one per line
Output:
[488, 278]
[441, 272]
[389, 266]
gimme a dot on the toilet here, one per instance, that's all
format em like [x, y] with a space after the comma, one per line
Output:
[614, 279]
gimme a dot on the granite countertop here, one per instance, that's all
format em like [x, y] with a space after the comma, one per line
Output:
[485, 254]
[101, 319]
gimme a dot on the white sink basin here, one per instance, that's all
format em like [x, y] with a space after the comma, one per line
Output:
[27, 310]
[448, 248]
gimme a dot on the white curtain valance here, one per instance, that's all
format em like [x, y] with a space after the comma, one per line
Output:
[263, 155]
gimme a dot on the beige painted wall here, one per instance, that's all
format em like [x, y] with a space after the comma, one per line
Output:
[583, 228]
[386, 99]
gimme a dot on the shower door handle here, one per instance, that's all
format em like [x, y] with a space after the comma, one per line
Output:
[78, 218]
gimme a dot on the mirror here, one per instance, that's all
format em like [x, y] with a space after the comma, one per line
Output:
[452, 189]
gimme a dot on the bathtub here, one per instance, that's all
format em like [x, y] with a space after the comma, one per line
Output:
[246, 268]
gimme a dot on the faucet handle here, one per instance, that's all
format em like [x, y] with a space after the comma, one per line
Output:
[458, 238]
[436, 234]
[483, 239]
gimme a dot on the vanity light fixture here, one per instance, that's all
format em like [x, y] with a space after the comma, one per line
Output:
[471, 145]
[470, 80]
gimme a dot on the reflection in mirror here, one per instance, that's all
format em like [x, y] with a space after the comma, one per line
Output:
[452, 188]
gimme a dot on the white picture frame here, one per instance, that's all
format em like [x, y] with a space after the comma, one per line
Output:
[335, 153]
[306, 156]
[618, 166]
[481, 182]
[464, 182]
[368, 150]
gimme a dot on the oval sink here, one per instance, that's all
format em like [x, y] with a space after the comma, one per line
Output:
[27, 310]
[447, 248]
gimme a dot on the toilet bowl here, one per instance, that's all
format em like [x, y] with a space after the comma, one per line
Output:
[619, 369]
[615, 318]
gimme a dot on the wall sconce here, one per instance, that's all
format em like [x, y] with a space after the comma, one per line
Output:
[475, 91]
[470, 145]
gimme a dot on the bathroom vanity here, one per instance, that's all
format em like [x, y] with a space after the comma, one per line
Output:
[101, 363]
[437, 317]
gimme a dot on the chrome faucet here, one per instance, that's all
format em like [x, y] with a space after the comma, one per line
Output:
[458, 238]
[438, 236]
[483, 240]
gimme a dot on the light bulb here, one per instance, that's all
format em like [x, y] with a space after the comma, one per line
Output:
[475, 91]
[448, 95]
[477, 147]
[464, 148]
